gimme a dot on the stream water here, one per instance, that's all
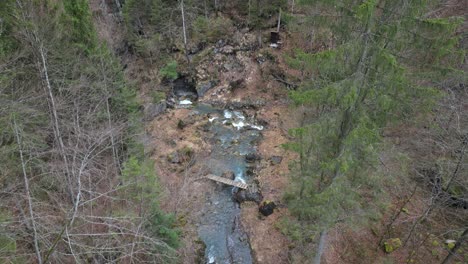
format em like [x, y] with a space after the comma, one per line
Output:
[233, 136]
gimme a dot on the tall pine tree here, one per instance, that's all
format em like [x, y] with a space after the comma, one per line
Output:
[369, 77]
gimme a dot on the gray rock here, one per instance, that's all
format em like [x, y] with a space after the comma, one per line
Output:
[249, 41]
[220, 43]
[246, 104]
[229, 66]
[183, 88]
[261, 59]
[252, 157]
[228, 175]
[228, 49]
[267, 208]
[245, 195]
[275, 160]
[240, 83]
[154, 110]
[203, 87]
[174, 157]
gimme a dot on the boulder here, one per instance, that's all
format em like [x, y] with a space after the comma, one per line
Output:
[229, 66]
[261, 59]
[203, 87]
[183, 88]
[228, 175]
[174, 157]
[275, 160]
[245, 195]
[220, 43]
[245, 104]
[267, 208]
[154, 110]
[392, 244]
[181, 124]
[228, 49]
[252, 157]
[248, 41]
[236, 84]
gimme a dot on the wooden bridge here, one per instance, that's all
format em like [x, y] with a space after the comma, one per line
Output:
[227, 181]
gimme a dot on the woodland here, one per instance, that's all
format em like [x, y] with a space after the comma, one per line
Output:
[346, 120]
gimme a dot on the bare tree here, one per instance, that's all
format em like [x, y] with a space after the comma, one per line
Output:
[27, 192]
[184, 30]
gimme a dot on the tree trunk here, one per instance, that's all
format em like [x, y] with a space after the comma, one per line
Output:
[205, 6]
[248, 12]
[321, 247]
[279, 21]
[359, 81]
[115, 153]
[55, 117]
[28, 193]
[459, 163]
[184, 29]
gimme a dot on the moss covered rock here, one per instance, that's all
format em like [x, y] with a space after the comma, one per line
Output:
[392, 244]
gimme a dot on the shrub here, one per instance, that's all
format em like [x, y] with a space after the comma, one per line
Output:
[212, 29]
[169, 71]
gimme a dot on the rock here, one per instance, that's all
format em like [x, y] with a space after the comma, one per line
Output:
[240, 83]
[252, 157]
[228, 66]
[220, 43]
[245, 195]
[262, 122]
[193, 49]
[183, 88]
[245, 30]
[275, 160]
[200, 253]
[248, 41]
[203, 87]
[252, 104]
[392, 244]
[228, 175]
[181, 124]
[171, 103]
[246, 104]
[154, 110]
[174, 157]
[261, 59]
[228, 49]
[267, 208]
[186, 153]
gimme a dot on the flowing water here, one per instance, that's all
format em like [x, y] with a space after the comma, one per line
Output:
[233, 136]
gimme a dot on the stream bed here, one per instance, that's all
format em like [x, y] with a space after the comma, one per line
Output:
[233, 136]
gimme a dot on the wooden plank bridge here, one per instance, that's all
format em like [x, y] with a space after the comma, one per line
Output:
[227, 181]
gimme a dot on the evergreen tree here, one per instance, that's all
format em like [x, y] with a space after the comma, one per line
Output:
[350, 92]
